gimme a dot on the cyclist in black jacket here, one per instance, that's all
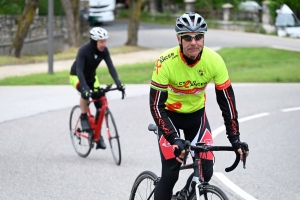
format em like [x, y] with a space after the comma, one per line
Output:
[83, 73]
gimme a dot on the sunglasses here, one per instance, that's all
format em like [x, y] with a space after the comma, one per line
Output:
[189, 38]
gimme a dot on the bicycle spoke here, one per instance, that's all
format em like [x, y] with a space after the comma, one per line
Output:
[113, 137]
[80, 140]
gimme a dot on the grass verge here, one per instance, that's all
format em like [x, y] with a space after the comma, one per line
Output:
[244, 65]
[67, 54]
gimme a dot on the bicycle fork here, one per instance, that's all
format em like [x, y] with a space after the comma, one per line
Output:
[198, 185]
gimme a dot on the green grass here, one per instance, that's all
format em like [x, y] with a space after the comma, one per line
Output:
[67, 54]
[261, 64]
[137, 73]
[244, 65]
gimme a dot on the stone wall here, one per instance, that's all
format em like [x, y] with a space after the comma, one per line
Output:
[36, 41]
[39, 45]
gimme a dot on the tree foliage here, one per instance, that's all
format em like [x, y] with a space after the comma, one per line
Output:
[11, 7]
[57, 4]
[16, 7]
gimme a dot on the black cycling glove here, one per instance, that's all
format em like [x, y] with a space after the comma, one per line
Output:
[238, 144]
[86, 94]
[180, 143]
[121, 87]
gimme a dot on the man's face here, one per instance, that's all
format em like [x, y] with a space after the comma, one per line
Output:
[192, 43]
[101, 44]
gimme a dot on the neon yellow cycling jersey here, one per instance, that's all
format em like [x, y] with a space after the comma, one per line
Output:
[186, 84]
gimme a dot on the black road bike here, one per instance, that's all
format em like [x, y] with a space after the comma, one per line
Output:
[144, 185]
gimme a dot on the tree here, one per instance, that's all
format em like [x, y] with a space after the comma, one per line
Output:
[24, 23]
[71, 8]
[134, 22]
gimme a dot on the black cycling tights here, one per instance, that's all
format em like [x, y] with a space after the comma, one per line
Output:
[163, 190]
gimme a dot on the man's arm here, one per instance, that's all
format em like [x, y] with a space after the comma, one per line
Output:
[226, 101]
[112, 70]
[157, 108]
[80, 60]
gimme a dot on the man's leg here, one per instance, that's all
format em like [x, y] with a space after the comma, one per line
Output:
[74, 81]
[100, 144]
[84, 117]
[164, 188]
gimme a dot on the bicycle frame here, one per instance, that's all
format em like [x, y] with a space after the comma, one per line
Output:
[99, 122]
[198, 178]
[97, 125]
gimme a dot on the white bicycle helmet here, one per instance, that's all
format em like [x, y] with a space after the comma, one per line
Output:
[98, 33]
[190, 22]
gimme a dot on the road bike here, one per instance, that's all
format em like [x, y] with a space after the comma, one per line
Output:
[144, 185]
[83, 141]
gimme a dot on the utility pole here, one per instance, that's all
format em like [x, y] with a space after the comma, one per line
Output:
[50, 36]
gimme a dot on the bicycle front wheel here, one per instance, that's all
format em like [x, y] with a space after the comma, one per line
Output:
[113, 136]
[81, 141]
[210, 192]
[143, 186]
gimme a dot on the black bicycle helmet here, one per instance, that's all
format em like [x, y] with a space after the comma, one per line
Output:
[190, 22]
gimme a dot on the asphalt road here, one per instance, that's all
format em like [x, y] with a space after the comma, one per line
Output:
[39, 162]
[159, 36]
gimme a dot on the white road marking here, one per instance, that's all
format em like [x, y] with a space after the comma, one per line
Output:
[222, 128]
[290, 109]
[233, 186]
[221, 176]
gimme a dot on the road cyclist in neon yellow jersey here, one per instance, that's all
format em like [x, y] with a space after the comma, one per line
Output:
[177, 102]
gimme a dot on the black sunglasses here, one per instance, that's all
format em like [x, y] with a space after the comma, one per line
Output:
[189, 38]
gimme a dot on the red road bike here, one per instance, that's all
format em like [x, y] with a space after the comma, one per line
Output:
[83, 141]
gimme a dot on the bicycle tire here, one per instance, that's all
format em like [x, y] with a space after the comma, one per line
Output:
[143, 186]
[113, 137]
[81, 141]
[210, 192]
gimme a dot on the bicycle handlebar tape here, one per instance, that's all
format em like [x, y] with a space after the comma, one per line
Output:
[235, 164]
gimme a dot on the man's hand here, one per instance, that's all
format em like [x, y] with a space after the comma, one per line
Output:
[237, 146]
[178, 147]
[121, 87]
[86, 94]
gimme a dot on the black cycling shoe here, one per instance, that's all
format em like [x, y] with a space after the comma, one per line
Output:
[85, 124]
[182, 195]
[101, 144]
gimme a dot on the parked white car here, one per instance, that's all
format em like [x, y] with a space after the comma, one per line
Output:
[287, 23]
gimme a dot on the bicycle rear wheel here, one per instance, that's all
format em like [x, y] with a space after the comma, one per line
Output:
[113, 136]
[143, 186]
[81, 141]
[210, 192]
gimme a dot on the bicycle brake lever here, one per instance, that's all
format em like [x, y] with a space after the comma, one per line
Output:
[187, 150]
[185, 156]
[244, 158]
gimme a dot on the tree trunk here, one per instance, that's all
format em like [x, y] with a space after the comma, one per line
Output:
[71, 8]
[134, 21]
[24, 23]
[70, 22]
[76, 14]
